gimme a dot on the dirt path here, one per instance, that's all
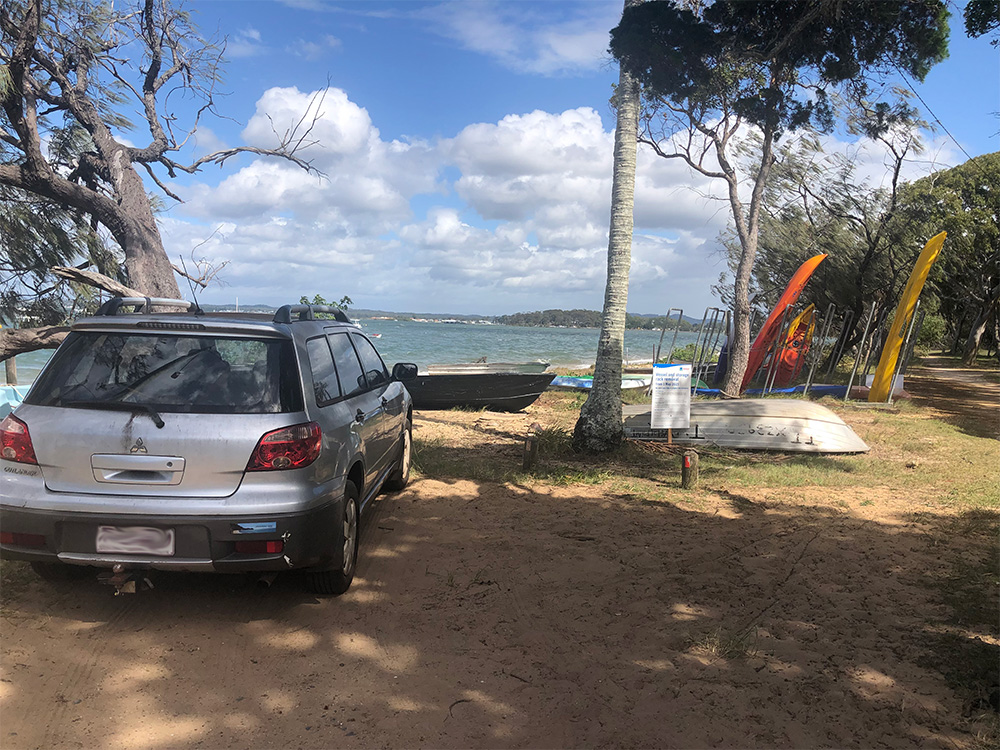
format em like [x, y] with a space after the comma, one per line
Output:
[502, 615]
[488, 616]
[961, 395]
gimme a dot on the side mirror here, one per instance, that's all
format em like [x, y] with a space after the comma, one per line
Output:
[404, 372]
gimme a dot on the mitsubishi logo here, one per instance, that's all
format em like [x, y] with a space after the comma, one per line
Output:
[138, 447]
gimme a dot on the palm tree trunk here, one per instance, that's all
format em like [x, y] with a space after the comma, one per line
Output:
[599, 427]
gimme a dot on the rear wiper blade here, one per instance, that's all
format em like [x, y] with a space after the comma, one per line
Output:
[121, 406]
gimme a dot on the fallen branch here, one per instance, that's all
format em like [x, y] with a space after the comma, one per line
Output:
[92, 278]
[15, 341]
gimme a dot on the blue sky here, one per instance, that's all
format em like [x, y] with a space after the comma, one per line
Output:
[467, 153]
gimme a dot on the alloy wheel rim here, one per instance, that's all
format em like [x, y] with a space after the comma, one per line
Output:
[406, 454]
[350, 534]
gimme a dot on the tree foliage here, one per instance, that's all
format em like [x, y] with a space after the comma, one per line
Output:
[873, 235]
[983, 17]
[74, 75]
[318, 299]
[711, 71]
[588, 319]
[36, 235]
[819, 203]
[965, 202]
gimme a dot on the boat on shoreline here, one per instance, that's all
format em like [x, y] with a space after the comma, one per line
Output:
[459, 368]
[774, 424]
[586, 382]
[496, 391]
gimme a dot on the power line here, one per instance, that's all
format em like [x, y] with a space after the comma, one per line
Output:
[937, 119]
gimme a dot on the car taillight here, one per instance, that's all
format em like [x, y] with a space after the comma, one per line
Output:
[260, 547]
[22, 540]
[15, 442]
[287, 448]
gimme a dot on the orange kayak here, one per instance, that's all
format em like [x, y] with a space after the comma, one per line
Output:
[797, 343]
[772, 326]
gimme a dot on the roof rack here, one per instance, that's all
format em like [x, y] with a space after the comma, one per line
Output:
[145, 305]
[308, 312]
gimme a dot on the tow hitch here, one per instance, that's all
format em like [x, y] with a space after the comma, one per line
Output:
[125, 581]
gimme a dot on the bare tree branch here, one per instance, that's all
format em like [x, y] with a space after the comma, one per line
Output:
[92, 278]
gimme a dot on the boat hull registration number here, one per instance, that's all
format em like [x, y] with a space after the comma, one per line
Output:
[135, 540]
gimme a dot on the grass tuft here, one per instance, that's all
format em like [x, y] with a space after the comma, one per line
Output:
[725, 645]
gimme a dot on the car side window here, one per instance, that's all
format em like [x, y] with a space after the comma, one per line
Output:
[373, 365]
[352, 377]
[324, 372]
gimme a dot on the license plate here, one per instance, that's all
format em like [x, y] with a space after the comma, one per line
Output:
[135, 540]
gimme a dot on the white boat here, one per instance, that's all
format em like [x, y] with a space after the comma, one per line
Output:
[468, 368]
[771, 424]
[586, 382]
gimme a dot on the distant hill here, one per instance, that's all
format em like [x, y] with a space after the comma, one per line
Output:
[591, 319]
[354, 313]
[689, 318]
[543, 318]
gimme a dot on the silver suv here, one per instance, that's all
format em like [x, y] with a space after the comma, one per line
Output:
[203, 442]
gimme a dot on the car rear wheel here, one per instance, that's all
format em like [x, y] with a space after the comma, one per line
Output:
[336, 581]
[400, 475]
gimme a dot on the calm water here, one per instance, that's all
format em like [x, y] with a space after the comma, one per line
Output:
[439, 343]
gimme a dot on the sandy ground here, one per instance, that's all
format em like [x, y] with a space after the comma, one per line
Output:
[488, 615]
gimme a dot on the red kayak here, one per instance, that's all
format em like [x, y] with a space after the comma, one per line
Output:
[772, 326]
[797, 343]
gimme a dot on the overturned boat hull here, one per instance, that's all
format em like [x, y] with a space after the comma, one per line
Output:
[786, 425]
[497, 391]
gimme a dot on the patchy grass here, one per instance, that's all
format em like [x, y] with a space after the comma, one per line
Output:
[722, 644]
[913, 453]
[555, 441]
[972, 589]
[966, 649]
[636, 396]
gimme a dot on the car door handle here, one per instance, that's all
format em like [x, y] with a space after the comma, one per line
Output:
[360, 416]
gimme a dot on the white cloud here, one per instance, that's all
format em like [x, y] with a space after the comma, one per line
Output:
[504, 216]
[314, 50]
[522, 218]
[364, 179]
[545, 39]
[246, 43]
[206, 141]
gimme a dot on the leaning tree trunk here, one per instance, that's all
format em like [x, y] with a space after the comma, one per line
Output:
[134, 226]
[739, 348]
[599, 427]
[979, 327]
[748, 231]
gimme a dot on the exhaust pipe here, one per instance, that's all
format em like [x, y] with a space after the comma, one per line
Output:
[265, 580]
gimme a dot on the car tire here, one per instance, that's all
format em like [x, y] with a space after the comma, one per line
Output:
[57, 572]
[335, 581]
[400, 475]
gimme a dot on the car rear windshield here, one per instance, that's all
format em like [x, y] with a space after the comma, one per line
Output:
[171, 373]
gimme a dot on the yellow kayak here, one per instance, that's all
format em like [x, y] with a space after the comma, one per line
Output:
[882, 383]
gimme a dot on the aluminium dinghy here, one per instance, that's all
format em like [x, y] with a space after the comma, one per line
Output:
[772, 424]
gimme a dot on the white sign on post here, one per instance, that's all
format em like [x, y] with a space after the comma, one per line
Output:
[671, 397]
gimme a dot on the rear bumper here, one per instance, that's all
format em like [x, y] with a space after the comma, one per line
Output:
[202, 543]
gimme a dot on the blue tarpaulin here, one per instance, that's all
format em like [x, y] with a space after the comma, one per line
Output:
[817, 390]
[11, 397]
